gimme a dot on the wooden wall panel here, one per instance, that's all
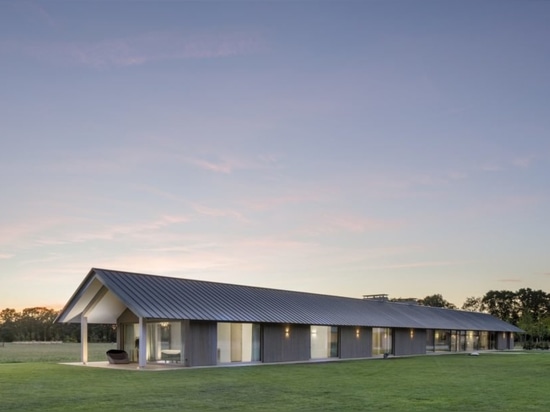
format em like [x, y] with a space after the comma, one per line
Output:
[201, 339]
[355, 342]
[278, 346]
[405, 343]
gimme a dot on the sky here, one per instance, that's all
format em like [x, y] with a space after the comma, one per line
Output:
[335, 147]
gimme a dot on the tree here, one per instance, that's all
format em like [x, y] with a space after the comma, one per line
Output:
[436, 301]
[503, 304]
[534, 302]
[38, 323]
[9, 319]
[473, 304]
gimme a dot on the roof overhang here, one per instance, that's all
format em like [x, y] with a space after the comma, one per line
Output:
[94, 301]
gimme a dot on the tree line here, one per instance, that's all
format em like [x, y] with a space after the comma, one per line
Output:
[38, 324]
[526, 308]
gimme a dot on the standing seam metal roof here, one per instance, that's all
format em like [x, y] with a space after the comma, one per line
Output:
[158, 297]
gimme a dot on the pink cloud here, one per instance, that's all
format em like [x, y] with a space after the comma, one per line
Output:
[227, 163]
[215, 212]
[224, 166]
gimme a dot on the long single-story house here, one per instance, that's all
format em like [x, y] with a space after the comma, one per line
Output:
[198, 323]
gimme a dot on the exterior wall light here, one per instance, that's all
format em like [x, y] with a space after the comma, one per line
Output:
[287, 331]
[357, 332]
[412, 333]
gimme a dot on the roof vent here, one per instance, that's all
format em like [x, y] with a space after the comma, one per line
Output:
[379, 296]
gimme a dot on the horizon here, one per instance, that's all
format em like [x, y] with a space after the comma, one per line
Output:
[342, 148]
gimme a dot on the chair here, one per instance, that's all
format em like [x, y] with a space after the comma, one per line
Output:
[117, 356]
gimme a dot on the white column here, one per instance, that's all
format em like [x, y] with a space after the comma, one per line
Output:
[84, 339]
[142, 343]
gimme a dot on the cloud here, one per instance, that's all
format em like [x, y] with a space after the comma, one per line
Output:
[6, 255]
[140, 49]
[33, 12]
[62, 231]
[510, 280]
[524, 161]
[214, 212]
[223, 166]
[424, 264]
[351, 224]
[129, 230]
[399, 186]
[227, 164]
[492, 167]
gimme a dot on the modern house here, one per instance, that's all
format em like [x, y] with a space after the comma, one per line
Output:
[198, 323]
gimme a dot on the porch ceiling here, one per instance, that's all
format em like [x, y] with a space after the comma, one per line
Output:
[99, 305]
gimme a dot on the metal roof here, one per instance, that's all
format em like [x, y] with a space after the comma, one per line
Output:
[158, 297]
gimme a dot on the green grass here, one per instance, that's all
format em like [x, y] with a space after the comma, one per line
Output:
[63, 352]
[490, 382]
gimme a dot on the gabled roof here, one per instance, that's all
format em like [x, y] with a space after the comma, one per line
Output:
[105, 294]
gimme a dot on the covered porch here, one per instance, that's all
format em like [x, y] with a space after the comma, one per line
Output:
[149, 343]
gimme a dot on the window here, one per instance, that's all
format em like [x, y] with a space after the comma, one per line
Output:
[239, 342]
[164, 341]
[442, 340]
[381, 341]
[324, 342]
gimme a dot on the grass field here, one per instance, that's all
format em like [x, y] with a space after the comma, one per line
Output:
[64, 352]
[490, 382]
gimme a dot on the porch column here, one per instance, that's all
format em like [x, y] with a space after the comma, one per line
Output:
[84, 339]
[142, 343]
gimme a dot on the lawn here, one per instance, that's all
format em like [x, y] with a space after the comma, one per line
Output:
[490, 382]
[51, 352]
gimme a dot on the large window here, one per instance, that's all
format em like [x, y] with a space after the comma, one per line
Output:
[381, 341]
[324, 342]
[442, 340]
[487, 340]
[164, 341]
[239, 342]
[130, 339]
[460, 340]
[472, 341]
[430, 340]
[457, 340]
